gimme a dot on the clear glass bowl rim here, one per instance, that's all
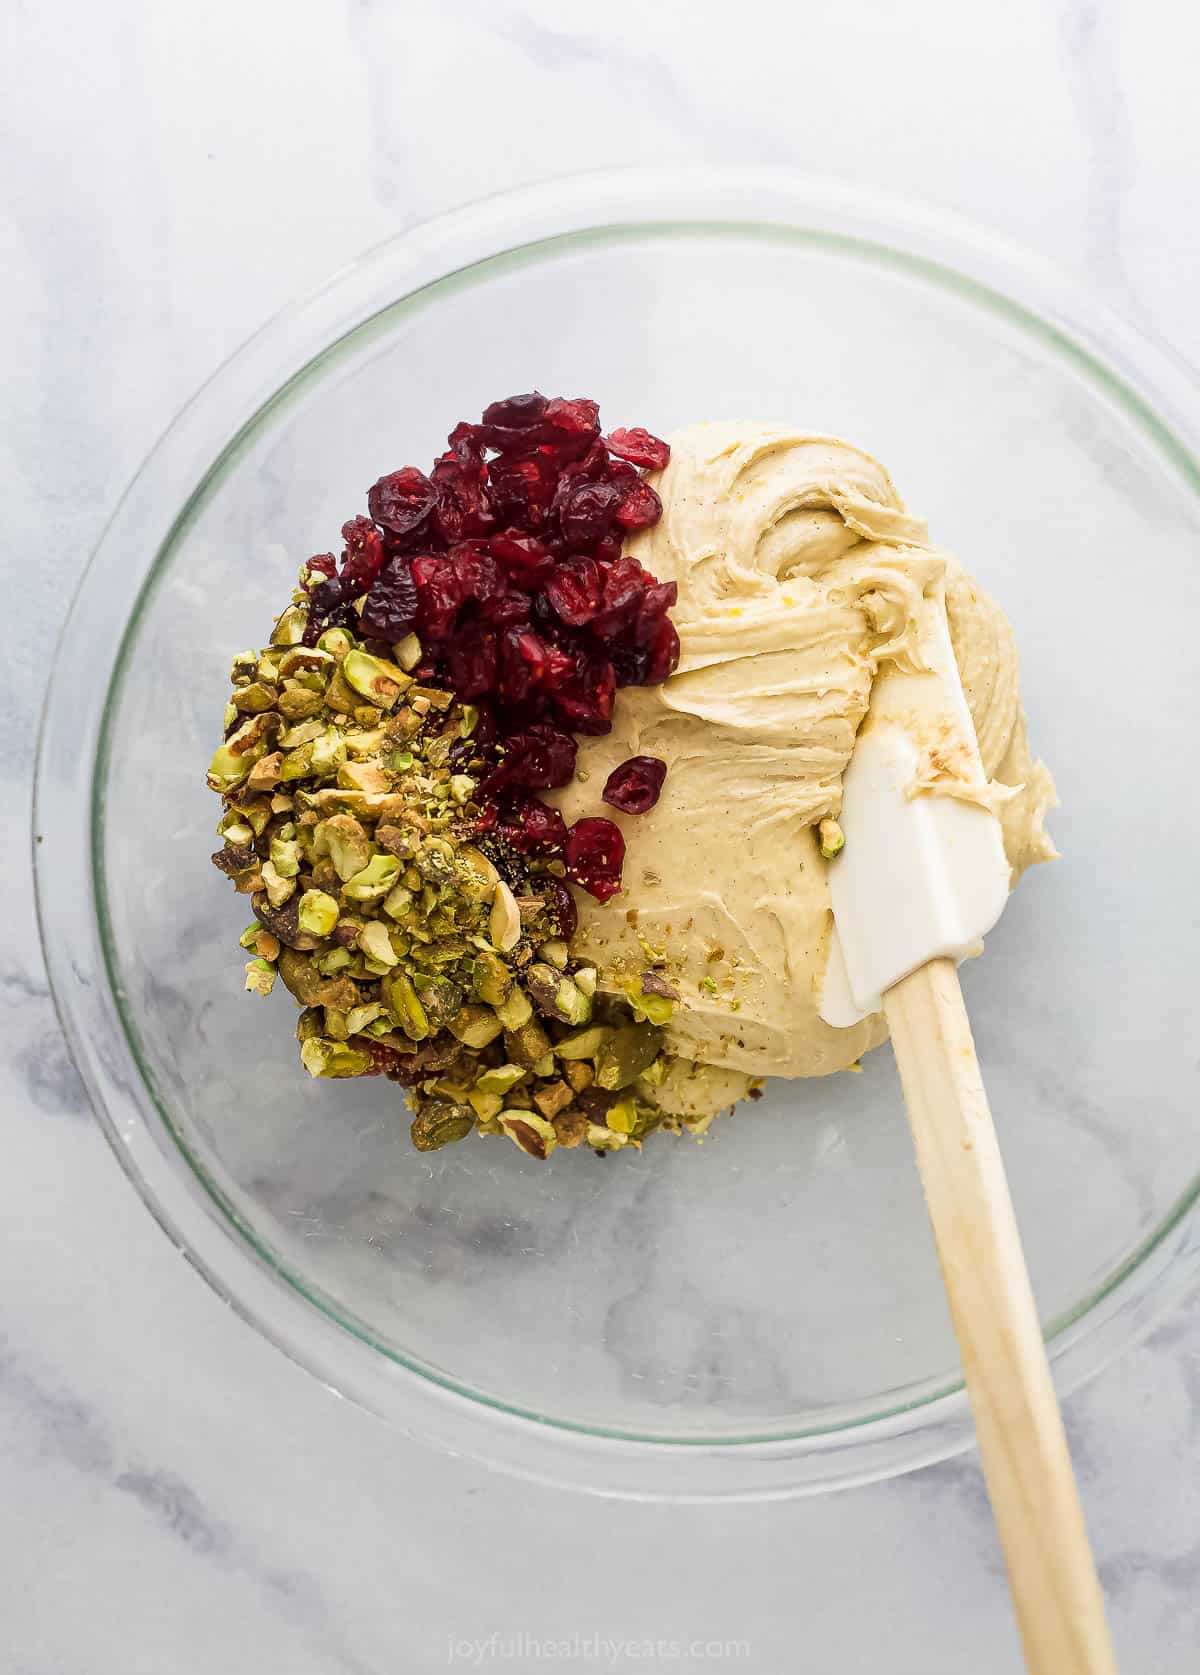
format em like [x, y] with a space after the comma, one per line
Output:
[1152, 382]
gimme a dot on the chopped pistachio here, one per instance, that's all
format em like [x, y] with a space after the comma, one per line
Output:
[468, 720]
[322, 1057]
[227, 768]
[626, 1054]
[397, 902]
[554, 952]
[403, 1004]
[529, 1131]
[374, 880]
[328, 752]
[359, 1017]
[485, 1105]
[376, 943]
[267, 946]
[514, 1011]
[256, 698]
[461, 787]
[475, 1026]
[493, 982]
[528, 1045]
[374, 678]
[289, 628]
[440, 997]
[285, 859]
[245, 663]
[337, 959]
[343, 839]
[304, 732]
[260, 977]
[831, 838]
[400, 761]
[296, 703]
[622, 1117]
[264, 775]
[407, 652]
[500, 1079]
[318, 912]
[237, 831]
[505, 920]
[571, 1004]
[439, 1124]
[248, 936]
[579, 1074]
[337, 642]
[570, 1128]
[305, 660]
[583, 1043]
[552, 1097]
[278, 887]
[297, 764]
[585, 980]
[603, 1139]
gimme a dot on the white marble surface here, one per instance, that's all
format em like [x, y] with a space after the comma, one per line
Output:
[175, 1495]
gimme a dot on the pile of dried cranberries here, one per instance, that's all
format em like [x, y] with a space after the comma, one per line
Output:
[506, 563]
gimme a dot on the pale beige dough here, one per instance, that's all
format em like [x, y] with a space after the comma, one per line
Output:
[799, 573]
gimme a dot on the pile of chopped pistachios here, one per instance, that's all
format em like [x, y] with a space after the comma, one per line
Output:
[419, 945]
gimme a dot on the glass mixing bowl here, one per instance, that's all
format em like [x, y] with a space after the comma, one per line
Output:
[759, 1314]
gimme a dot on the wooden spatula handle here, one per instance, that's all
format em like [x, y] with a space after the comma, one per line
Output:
[1051, 1571]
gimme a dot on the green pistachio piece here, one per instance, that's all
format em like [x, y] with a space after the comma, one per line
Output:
[527, 1045]
[376, 944]
[318, 913]
[461, 787]
[440, 1123]
[296, 703]
[622, 1117]
[585, 980]
[322, 1057]
[572, 1006]
[397, 902]
[583, 1043]
[380, 681]
[404, 1005]
[345, 842]
[475, 1026]
[654, 1075]
[468, 720]
[255, 698]
[337, 959]
[545, 1066]
[831, 838]
[245, 663]
[237, 831]
[361, 747]
[248, 936]
[302, 660]
[309, 1023]
[408, 652]
[530, 1131]
[228, 768]
[514, 1012]
[260, 977]
[485, 1105]
[337, 642]
[229, 716]
[328, 752]
[602, 1139]
[285, 858]
[359, 1017]
[374, 880]
[555, 953]
[440, 997]
[289, 628]
[493, 982]
[504, 922]
[279, 889]
[297, 764]
[304, 732]
[400, 761]
[626, 1054]
[500, 1079]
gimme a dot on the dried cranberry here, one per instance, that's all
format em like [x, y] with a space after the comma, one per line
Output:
[526, 559]
[401, 501]
[562, 904]
[537, 758]
[462, 507]
[530, 825]
[625, 587]
[595, 854]
[515, 412]
[576, 590]
[391, 608]
[521, 489]
[639, 448]
[571, 426]
[508, 608]
[640, 507]
[634, 787]
[587, 512]
[586, 700]
[438, 594]
[472, 662]
[363, 558]
[663, 654]
[321, 564]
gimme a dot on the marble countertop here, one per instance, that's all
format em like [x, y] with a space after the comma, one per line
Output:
[177, 1496]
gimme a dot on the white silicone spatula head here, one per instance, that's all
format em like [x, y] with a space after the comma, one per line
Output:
[923, 873]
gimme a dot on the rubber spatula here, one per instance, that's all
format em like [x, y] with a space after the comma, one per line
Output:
[921, 878]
